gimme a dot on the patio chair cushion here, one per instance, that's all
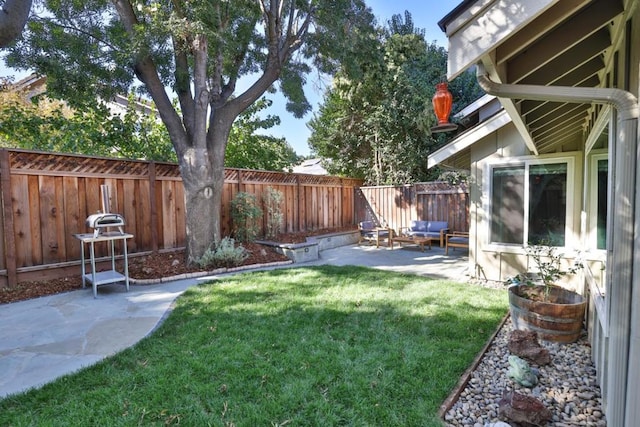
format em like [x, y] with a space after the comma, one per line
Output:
[457, 239]
[366, 225]
[432, 229]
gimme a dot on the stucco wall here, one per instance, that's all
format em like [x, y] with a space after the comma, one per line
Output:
[499, 262]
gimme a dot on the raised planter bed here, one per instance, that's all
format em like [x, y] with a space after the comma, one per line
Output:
[310, 250]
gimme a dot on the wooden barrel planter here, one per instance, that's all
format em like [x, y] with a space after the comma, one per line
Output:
[558, 318]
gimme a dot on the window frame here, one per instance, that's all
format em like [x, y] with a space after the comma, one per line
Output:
[592, 235]
[570, 159]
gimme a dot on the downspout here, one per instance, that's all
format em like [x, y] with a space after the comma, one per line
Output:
[623, 362]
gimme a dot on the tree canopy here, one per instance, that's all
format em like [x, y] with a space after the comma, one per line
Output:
[377, 127]
[249, 149]
[134, 133]
[197, 50]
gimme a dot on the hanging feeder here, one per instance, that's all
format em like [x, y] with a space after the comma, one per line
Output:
[442, 103]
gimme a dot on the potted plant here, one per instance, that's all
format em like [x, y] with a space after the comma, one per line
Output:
[536, 302]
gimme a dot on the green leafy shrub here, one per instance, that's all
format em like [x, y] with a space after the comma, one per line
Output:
[272, 200]
[226, 254]
[548, 268]
[245, 212]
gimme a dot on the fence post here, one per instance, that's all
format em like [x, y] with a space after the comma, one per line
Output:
[7, 213]
[152, 206]
[298, 203]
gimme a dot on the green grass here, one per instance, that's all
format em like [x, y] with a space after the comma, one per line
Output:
[322, 346]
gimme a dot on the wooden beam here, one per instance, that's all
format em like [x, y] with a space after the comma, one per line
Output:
[531, 33]
[563, 38]
[578, 55]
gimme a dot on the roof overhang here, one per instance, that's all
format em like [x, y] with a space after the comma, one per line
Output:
[484, 25]
[466, 140]
[569, 43]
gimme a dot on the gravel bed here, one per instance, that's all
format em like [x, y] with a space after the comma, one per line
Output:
[567, 386]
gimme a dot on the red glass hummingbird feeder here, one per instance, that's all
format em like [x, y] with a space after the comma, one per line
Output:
[442, 103]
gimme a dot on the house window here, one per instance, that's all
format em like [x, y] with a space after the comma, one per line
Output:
[529, 203]
[599, 193]
[507, 219]
[603, 182]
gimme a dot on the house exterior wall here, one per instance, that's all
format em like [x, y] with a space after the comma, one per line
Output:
[614, 293]
[499, 262]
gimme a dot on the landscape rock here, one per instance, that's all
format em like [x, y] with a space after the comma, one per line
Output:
[523, 409]
[525, 344]
[521, 372]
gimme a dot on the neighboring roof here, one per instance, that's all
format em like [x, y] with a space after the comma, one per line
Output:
[311, 167]
[30, 86]
[481, 118]
[34, 85]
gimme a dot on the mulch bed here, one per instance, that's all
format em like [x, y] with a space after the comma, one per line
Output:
[156, 266]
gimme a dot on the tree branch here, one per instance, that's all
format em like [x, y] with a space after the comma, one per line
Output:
[146, 71]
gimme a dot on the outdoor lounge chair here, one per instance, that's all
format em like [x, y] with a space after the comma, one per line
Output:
[372, 233]
[457, 239]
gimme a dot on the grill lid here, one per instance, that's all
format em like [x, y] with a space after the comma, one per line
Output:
[105, 220]
[101, 221]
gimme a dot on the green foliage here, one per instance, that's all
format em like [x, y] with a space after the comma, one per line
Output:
[548, 269]
[245, 213]
[49, 125]
[249, 150]
[272, 200]
[88, 49]
[454, 177]
[226, 254]
[377, 126]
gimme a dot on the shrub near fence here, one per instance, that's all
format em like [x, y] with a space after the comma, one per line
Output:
[46, 198]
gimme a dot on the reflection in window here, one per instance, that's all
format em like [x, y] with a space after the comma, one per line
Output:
[507, 222]
[542, 189]
[547, 203]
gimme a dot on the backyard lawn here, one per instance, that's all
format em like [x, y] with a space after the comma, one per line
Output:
[319, 346]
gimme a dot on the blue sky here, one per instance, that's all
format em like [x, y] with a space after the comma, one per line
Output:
[425, 13]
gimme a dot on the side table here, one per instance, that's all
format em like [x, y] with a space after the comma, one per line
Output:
[109, 276]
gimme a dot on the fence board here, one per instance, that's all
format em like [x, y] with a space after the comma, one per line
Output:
[397, 206]
[50, 195]
[21, 220]
[71, 216]
[35, 227]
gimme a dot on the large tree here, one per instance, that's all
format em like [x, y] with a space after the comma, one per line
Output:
[377, 127]
[197, 50]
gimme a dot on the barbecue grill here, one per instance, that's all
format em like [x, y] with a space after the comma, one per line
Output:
[101, 222]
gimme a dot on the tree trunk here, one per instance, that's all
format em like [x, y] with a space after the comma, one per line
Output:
[13, 17]
[202, 172]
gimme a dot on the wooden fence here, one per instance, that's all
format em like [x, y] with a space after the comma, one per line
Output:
[397, 206]
[46, 198]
